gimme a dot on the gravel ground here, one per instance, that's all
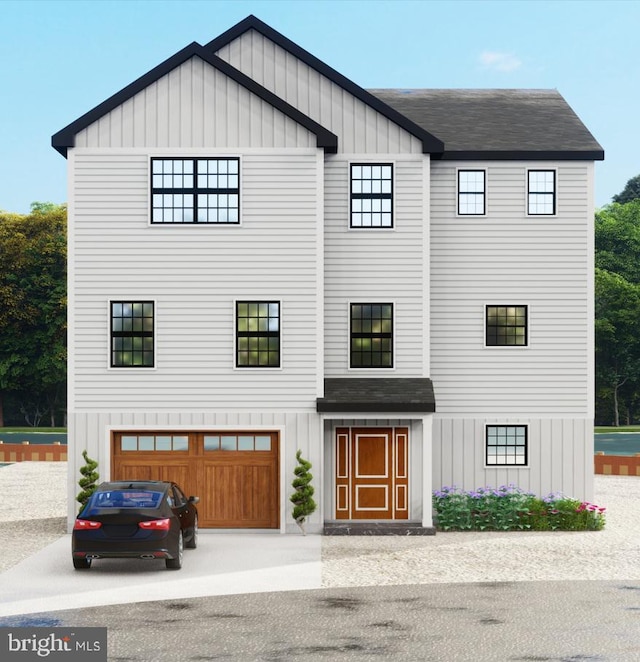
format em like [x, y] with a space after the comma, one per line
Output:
[37, 517]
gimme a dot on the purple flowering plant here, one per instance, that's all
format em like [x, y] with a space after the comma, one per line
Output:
[510, 508]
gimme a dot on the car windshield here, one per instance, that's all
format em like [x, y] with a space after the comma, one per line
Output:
[126, 499]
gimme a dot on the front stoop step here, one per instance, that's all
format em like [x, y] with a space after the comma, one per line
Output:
[377, 529]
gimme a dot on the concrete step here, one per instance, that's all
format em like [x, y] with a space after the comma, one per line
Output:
[377, 529]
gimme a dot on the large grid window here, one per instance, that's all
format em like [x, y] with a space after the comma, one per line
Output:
[506, 326]
[237, 442]
[132, 330]
[471, 192]
[195, 190]
[541, 192]
[506, 445]
[371, 195]
[371, 335]
[257, 334]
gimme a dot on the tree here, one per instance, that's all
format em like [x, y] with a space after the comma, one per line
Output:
[630, 192]
[33, 308]
[617, 239]
[89, 479]
[302, 498]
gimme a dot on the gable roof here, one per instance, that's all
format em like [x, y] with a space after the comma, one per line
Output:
[65, 138]
[430, 144]
[498, 124]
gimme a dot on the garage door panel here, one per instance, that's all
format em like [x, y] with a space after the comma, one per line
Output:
[237, 488]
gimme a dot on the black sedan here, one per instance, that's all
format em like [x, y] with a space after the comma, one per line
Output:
[135, 519]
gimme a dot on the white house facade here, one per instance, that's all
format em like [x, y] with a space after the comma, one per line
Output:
[264, 257]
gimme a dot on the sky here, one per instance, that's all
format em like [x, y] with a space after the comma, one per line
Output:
[59, 59]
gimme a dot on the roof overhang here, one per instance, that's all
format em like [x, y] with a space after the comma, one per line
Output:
[375, 395]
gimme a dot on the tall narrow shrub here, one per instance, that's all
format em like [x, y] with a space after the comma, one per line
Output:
[302, 498]
[89, 479]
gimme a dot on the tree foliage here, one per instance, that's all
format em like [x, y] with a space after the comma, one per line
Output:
[630, 192]
[302, 498]
[89, 480]
[33, 305]
[617, 308]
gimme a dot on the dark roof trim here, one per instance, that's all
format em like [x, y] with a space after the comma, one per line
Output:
[373, 395]
[522, 155]
[430, 144]
[65, 138]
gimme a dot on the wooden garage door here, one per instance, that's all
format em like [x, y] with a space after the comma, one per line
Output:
[235, 474]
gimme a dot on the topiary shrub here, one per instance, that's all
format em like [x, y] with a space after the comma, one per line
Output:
[302, 498]
[89, 479]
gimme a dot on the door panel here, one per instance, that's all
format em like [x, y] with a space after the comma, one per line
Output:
[372, 473]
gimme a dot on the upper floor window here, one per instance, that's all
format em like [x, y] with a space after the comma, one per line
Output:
[371, 335]
[506, 445]
[203, 190]
[506, 326]
[541, 192]
[132, 334]
[257, 334]
[471, 192]
[371, 195]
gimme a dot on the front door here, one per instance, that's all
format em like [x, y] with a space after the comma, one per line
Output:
[372, 473]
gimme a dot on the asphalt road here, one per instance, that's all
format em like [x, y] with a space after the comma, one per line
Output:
[524, 621]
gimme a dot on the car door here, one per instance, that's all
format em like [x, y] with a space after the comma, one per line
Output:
[182, 508]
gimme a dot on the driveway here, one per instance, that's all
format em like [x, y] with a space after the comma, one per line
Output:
[222, 564]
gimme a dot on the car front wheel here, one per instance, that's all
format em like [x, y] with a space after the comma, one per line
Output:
[176, 562]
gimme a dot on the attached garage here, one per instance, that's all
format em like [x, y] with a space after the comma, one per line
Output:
[235, 474]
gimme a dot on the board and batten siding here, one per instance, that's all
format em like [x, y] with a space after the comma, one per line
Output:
[560, 454]
[359, 127]
[194, 274]
[377, 265]
[195, 105]
[92, 431]
[507, 257]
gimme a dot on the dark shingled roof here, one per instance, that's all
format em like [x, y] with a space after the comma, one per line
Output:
[497, 123]
[373, 394]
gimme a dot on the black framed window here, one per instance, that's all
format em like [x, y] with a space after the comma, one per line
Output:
[471, 192]
[371, 195]
[506, 445]
[541, 192]
[506, 325]
[257, 334]
[132, 334]
[371, 335]
[202, 190]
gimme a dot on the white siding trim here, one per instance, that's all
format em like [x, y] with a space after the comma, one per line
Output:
[320, 321]
[591, 251]
[71, 280]
[427, 470]
[426, 272]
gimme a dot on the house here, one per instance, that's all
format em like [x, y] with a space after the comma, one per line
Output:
[265, 257]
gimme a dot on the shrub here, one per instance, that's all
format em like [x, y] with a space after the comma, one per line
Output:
[509, 508]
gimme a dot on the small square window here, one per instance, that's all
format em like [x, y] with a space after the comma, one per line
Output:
[506, 326]
[506, 445]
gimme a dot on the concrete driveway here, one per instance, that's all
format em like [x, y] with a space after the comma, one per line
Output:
[222, 564]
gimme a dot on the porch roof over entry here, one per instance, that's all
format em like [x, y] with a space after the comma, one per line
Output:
[372, 395]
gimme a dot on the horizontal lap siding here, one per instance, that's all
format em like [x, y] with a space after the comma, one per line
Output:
[195, 106]
[508, 257]
[194, 274]
[358, 126]
[376, 266]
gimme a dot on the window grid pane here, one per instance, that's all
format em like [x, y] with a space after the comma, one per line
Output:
[154, 443]
[195, 190]
[541, 192]
[132, 343]
[471, 192]
[506, 326]
[506, 445]
[257, 334]
[371, 195]
[237, 442]
[371, 335]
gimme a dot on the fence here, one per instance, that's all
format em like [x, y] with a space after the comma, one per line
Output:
[26, 452]
[617, 465]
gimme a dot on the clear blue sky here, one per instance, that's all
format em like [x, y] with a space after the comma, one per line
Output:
[60, 59]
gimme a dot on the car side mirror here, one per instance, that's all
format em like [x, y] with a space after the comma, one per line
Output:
[194, 500]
